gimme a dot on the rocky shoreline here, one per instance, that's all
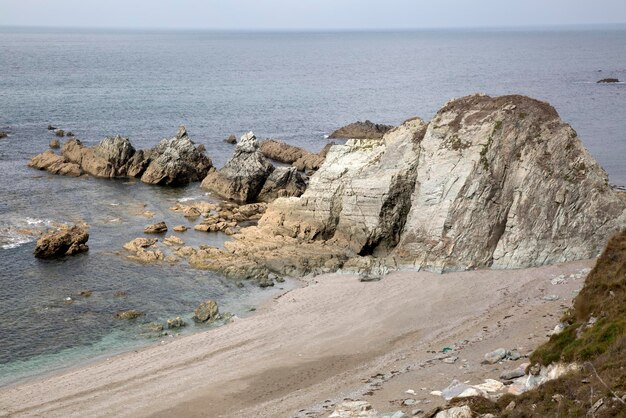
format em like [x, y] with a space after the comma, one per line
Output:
[496, 182]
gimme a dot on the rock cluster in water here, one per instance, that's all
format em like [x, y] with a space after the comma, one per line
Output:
[174, 161]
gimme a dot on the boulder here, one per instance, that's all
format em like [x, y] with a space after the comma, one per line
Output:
[207, 311]
[108, 159]
[456, 412]
[3, 134]
[157, 228]
[282, 182]
[51, 128]
[55, 144]
[495, 356]
[59, 132]
[362, 130]
[66, 241]
[232, 139]
[176, 162]
[69, 133]
[354, 409]
[180, 228]
[243, 176]
[608, 81]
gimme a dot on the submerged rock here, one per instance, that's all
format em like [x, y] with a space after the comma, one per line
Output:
[207, 311]
[66, 241]
[55, 144]
[157, 228]
[232, 139]
[3, 134]
[608, 80]
[59, 132]
[130, 314]
[362, 130]
[177, 322]
[243, 176]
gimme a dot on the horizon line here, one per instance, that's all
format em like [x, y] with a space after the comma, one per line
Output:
[565, 26]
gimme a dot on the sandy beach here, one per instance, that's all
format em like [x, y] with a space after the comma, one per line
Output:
[314, 346]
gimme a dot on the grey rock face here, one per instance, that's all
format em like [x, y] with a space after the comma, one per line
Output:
[244, 175]
[282, 182]
[503, 182]
[176, 162]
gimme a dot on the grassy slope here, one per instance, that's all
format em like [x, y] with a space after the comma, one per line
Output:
[600, 348]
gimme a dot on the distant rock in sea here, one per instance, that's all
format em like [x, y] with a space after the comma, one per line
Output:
[608, 81]
[361, 130]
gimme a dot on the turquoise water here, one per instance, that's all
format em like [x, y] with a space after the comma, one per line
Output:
[293, 86]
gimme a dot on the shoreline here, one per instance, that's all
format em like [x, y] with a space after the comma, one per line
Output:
[83, 360]
[300, 348]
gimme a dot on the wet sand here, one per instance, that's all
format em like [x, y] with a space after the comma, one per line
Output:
[311, 347]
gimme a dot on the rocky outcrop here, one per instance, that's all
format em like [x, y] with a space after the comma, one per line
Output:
[503, 182]
[362, 130]
[64, 242]
[243, 176]
[173, 162]
[300, 158]
[490, 182]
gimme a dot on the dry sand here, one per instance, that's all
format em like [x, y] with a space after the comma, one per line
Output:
[314, 346]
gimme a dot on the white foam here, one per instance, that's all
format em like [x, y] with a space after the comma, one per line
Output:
[187, 199]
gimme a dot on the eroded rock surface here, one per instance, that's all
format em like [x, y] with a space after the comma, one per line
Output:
[289, 154]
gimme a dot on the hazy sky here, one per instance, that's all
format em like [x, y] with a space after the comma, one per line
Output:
[308, 14]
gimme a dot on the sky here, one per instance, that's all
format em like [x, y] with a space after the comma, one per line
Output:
[308, 14]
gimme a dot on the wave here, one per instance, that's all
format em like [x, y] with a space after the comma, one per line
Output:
[22, 231]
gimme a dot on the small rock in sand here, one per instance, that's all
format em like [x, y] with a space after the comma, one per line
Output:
[495, 356]
[177, 322]
[207, 311]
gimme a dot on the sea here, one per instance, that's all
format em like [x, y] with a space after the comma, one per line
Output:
[297, 87]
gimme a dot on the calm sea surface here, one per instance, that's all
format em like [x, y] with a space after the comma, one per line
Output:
[293, 86]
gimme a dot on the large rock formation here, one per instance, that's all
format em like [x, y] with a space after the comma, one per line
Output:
[490, 182]
[65, 241]
[362, 130]
[176, 161]
[173, 161]
[282, 182]
[243, 176]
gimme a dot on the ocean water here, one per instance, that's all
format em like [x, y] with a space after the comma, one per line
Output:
[293, 86]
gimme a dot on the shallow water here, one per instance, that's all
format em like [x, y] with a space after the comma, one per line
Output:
[293, 86]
